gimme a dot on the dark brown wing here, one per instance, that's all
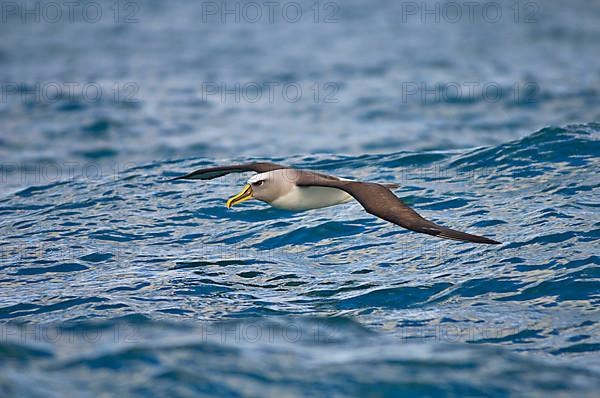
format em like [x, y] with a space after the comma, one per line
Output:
[220, 171]
[381, 202]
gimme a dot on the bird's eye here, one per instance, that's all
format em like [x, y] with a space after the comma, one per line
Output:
[258, 183]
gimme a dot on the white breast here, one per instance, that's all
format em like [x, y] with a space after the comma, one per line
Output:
[306, 198]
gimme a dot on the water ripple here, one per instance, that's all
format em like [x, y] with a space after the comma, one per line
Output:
[141, 253]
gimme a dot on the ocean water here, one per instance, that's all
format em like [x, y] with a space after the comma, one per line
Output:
[138, 286]
[115, 281]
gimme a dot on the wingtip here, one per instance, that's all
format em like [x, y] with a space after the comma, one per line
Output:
[189, 176]
[484, 240]
[465, 237]
[493, 242]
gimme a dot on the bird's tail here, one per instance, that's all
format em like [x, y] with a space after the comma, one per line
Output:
[391, 185]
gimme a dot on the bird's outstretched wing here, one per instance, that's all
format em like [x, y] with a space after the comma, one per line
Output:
[220, 171]
[381, 202]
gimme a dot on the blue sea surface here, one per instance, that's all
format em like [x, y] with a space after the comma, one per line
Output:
[115, 281]
[139, 286]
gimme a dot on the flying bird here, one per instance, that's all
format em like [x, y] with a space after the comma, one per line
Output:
[293, 189]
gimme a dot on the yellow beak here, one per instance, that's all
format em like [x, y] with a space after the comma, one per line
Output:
[244, 195]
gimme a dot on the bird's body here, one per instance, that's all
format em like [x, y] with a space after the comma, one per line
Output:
[294, 198]
[309, 198]
[293, 189]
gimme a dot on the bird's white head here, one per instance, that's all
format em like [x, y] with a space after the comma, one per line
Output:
[265, 187]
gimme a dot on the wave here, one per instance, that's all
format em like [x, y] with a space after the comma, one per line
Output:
[412, 314]
[136, 356]
[575, 145]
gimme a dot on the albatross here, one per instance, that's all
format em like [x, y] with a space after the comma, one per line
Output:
[297, 190]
